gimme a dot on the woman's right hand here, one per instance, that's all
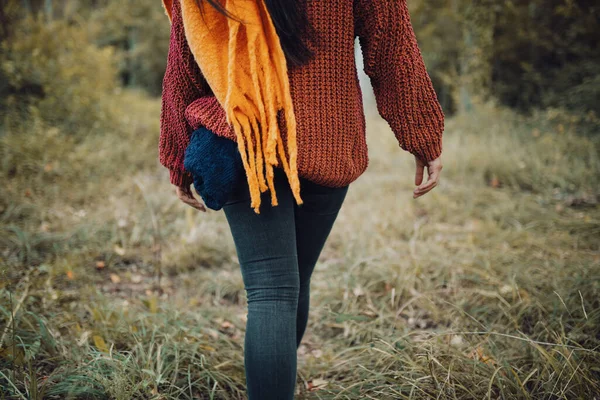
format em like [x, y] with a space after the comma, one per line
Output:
[434, 167]
[185, 194]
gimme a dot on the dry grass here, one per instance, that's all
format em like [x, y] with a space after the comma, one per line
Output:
[487, 287]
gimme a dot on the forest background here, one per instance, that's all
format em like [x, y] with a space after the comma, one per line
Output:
[488, 287]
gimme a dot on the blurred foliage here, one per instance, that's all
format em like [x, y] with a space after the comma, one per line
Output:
[142, 37]
[53, 69]
[138, 38]
[62, 73]
[546, 53]
[525, 53]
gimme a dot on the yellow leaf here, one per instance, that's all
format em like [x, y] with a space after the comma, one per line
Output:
[115, 278]
[100, 343]
[206, 347]
[153, 304]
[479, 353]
[97, 314]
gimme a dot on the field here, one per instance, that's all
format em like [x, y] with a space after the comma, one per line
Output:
[488, 287]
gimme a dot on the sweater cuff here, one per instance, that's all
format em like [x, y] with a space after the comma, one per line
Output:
[429, 151]
[180, 178]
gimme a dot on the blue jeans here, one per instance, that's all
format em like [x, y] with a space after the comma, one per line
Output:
[277, 251]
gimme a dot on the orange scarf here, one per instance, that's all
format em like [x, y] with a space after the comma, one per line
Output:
[246, 68]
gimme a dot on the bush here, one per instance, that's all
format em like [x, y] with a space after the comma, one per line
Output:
[53, 70]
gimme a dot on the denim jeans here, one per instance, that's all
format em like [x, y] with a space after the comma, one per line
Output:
[277, 251]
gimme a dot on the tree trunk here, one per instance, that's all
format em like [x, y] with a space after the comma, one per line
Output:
[48, 9]
[475, 67]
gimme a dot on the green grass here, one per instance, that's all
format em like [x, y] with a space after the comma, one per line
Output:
[487, 287]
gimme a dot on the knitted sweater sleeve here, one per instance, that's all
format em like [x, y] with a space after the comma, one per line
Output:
[403, 90]
[183, 83]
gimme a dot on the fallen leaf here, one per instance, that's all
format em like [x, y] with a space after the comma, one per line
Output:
[152, 303]
[226, 325]
[495, 182]
[316, 384]
[479, 353]
[119, 250]
[207, 347]
[100, 343]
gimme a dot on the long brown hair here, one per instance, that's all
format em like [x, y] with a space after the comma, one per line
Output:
[291, 23]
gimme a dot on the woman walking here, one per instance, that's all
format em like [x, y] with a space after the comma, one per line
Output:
[279, 80]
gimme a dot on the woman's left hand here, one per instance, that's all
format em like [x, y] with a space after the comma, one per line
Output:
[185, 194]
[434, 168]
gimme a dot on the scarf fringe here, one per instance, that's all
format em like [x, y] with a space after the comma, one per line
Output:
[252, 107]
[290, 118]
[254, 70]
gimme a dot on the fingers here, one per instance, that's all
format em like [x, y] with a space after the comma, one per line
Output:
[419, 171]
[426, 187]
[433, 169]
[185, 194]
[196, 204]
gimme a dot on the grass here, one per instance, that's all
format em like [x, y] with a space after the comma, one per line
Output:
[488, 287]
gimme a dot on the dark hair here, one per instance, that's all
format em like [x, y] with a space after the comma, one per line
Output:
[291, 23]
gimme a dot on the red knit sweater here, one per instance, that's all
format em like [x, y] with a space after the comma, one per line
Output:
[331, 140]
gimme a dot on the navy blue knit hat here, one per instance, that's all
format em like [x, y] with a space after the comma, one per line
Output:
[215, 164]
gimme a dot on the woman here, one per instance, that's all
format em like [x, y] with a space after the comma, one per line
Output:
[278, 245]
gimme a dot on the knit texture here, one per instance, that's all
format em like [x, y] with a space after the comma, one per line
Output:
[216, 166]
[328, 105]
